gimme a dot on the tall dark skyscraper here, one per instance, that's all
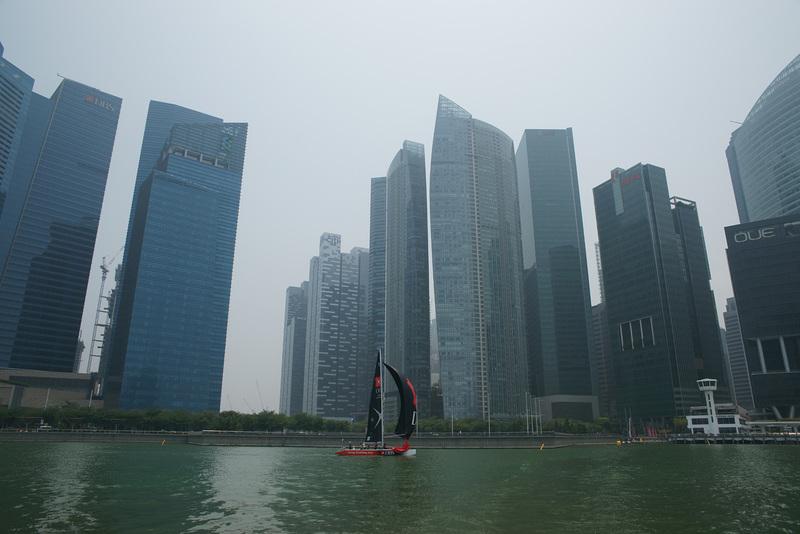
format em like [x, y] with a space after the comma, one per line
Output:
[764, 262]
[377, 266]
[477, 267]
[764, 152]
[407, 279]
[661, 314]
[54, 159]
[764, 161]
[557, 306]
[168, 343]
[337, 341]
[294, 350]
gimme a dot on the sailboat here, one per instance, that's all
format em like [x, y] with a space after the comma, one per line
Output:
[374, 444]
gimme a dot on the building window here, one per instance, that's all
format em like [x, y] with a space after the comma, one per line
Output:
[637, 334]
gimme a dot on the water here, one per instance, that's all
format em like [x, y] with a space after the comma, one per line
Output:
[119, 488]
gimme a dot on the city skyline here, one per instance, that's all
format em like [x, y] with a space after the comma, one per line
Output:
[699, 86]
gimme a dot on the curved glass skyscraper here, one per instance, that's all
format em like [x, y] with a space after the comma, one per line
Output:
[764, 153]
[477, 267]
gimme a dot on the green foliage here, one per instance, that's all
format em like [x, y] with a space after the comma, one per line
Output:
[72, 417]
[680, 424]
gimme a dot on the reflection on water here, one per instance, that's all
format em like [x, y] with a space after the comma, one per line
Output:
[88, 487]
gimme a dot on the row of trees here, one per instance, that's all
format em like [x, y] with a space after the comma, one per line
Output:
[73, 417]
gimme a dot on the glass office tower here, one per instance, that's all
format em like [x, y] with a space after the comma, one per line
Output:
[741, 391]
[54, 159]
[169, 336]
[558, 306]
[764, 262]
[764, 152]
[408, 318]
[294, 350]
[337, 340]
[377, 263]
[477, 267]
[661, 315]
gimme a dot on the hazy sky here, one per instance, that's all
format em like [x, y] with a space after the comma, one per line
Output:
[331, 90]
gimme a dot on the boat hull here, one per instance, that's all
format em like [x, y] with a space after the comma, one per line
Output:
[377, 452]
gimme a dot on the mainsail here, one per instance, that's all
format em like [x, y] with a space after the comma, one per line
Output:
[408, 404]
[375, 416]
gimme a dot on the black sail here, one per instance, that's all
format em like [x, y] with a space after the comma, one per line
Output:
[408, 404]
[375, 416]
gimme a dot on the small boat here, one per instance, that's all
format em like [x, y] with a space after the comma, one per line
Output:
[374, 444]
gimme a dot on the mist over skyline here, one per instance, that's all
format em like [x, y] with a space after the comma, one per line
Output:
[331, 91]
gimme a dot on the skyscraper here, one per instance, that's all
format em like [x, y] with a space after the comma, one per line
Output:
[741, 391]
[54, 159]
[764, 161]
[764, 262]
[558, 306]
[294, 350]
[169, 335]
[477, 267]
[377, 266]
[337, 341]
[407, 279]
[658, 297]
[764, 152]
[161, 117]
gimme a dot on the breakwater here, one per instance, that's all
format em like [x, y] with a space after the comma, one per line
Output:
[279, 439]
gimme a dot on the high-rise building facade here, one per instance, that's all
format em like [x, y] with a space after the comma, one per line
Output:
[741, 391]
[764, 152]
[764, 263]
[337, 340]
[54, 158]
[169, 334]
[605, 366]
[294, 350]
[557, 307]
[161, 117]
[764, 161]
[377, 264]
[477, 267]
[661, 316]
[407, 278]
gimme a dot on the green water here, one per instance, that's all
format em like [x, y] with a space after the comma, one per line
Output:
[117, 488]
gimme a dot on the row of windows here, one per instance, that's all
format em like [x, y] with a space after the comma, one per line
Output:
[637, 334]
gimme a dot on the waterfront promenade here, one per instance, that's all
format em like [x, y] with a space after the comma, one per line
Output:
[426, 441]
[279, 439]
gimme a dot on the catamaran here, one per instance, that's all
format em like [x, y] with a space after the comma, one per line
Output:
[374, 444]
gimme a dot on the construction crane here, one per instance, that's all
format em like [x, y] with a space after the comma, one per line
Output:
[104, 269]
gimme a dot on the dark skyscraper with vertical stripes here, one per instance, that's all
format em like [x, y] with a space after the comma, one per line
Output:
[558, 307]
[54, 158]
[664, 330]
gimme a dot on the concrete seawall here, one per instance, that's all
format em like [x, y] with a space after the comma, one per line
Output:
[265, 439]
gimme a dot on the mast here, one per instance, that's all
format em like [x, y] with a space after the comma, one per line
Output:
[380, 357]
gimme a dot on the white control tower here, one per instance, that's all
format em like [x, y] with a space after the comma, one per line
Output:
[708, 386]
